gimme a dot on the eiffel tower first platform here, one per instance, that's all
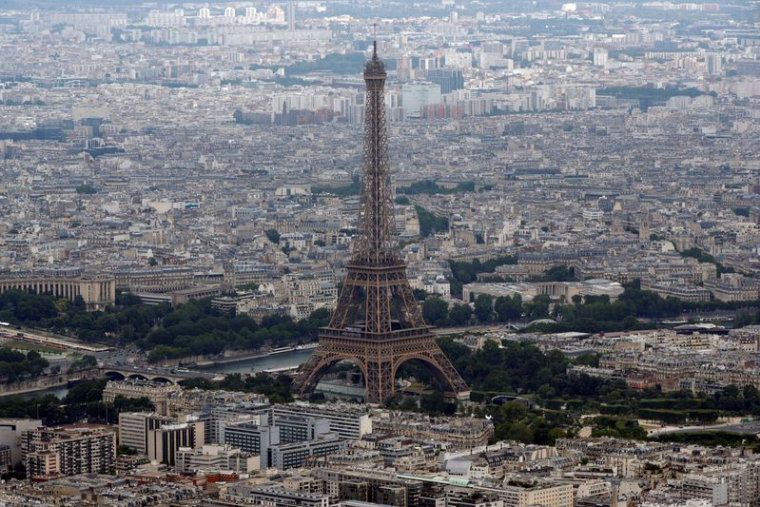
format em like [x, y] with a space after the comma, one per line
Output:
[377, 323]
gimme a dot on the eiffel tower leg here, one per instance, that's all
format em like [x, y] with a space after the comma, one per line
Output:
[457, 384]
[437, 363]
[379, 382]
[308, 374]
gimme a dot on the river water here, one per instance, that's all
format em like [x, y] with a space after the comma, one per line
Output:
[283, 360]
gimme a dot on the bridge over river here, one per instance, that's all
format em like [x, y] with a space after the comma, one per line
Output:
[156, 374]
[45, 382]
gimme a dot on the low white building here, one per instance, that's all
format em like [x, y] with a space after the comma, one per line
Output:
[216, 458]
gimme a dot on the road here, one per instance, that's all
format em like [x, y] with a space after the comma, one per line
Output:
[122, 357]
[50, 340]
[448, 331]
[747, 428]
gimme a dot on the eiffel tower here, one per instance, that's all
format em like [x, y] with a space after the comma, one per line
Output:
[377, 323]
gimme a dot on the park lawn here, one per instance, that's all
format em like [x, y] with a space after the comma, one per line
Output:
[37, 347]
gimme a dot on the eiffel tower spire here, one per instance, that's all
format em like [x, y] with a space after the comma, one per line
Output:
[375, 244]
[377, 323]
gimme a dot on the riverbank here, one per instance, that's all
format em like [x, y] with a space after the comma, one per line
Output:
[47, 382]
[205, 363]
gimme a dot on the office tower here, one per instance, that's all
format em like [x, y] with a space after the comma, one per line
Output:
[295, 454]
[714, 64]
[135, 426]
[164, 442]
[251, 437]
[404, 68]
[448, 79]
[291, 16]
[415, 96]
[600, 57]
[348, 424]
[11, 432]
[377, 324]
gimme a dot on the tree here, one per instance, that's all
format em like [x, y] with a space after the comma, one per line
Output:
[408, 404]
[588, 360]
[554, 434]
[508, 308]
[86, 392]
[514, 411]
[521, 432]
[539, 307]
[483, 307]
[429, 222]
[84, 363]
[559, 274]
[436, 403]
[86, 188]
[107, 324]
[545, 391]
[435, 310]
[460, 315]
[273, 236]
[751, 394]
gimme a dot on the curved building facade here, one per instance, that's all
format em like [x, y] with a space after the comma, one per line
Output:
[98, 291]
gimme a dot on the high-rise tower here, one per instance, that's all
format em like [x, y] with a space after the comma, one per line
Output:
[377, 323]
[291, 16]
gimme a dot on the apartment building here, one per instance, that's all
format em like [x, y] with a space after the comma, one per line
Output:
[53, 452]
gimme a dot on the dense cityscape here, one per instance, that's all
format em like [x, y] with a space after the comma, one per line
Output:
[352, 253]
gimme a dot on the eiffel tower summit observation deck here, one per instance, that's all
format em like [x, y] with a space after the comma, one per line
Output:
[377, 323]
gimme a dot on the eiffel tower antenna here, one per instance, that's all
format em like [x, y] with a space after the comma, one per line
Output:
[377, 323]
[374, 41]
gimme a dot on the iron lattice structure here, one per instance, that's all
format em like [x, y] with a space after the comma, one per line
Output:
[377, 323]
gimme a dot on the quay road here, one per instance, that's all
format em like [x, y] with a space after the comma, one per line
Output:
[51, 340]
[451, 331]
[733, 426]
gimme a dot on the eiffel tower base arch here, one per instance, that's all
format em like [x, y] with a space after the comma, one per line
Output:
[379, 362]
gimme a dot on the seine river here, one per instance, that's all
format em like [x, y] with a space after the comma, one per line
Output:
[283, 360]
